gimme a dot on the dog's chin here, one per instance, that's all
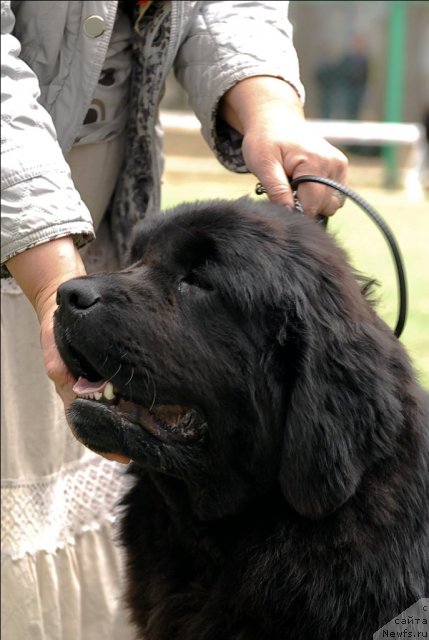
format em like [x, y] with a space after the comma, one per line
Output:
[113, 428]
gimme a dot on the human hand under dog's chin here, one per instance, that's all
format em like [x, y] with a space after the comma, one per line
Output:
[61, 375]
[55, 367]
[39, 271]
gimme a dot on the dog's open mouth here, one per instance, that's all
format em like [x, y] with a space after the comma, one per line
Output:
[179, 423]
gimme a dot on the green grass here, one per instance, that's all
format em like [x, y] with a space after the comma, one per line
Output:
[370, 254]
[189, 179]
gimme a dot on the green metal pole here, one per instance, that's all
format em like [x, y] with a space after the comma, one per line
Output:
[395, 82]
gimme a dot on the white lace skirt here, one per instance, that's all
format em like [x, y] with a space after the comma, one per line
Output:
[62, 576]
[61, 564]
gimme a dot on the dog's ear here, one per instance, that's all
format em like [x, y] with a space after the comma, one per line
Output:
[140, 237]
[343, 406]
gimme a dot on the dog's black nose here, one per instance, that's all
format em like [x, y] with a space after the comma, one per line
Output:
[78, 294]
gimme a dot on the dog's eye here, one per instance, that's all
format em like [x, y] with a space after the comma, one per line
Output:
[195, 279]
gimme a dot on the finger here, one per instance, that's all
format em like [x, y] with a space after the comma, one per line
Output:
[67, 395]
[265, 162]
[314, 198]
[328, 162]
[323, 200]
[273, 178]
[116, 457]
[336, 201]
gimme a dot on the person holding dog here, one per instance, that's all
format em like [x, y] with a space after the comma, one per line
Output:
[82, 155]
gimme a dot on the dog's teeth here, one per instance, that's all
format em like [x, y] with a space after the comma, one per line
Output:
[108, 391]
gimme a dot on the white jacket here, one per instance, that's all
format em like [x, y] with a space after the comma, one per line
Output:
[51, 61]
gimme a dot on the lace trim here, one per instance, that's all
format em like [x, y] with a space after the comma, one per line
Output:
[47, 514]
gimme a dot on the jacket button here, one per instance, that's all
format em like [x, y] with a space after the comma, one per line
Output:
[94, 26]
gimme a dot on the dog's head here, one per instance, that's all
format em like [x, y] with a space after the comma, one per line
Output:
[236, 353]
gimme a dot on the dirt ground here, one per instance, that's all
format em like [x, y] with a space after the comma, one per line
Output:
[187, 153]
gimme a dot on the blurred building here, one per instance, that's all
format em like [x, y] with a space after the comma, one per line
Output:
[328, 35]
[343, 46]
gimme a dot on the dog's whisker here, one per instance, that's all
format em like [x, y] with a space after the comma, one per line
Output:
[131, 377]
[128, 382]
[116, 372]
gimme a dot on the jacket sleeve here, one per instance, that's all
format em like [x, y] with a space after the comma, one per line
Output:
[227, 42]
[38, 199]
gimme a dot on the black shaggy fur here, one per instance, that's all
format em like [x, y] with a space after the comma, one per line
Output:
[292, 503]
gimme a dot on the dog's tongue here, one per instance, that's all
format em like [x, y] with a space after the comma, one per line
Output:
[85, 386]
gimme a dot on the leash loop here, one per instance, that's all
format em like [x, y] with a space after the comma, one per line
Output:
[380, 223]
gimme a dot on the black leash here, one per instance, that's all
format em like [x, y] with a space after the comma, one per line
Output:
[382, 226]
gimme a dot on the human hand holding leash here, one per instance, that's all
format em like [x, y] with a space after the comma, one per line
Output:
[278, 145]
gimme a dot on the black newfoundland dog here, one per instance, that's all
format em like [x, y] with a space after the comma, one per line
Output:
[279, 439]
